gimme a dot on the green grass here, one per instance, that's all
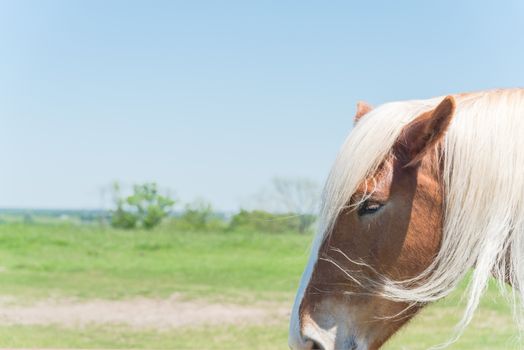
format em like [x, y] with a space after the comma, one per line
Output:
[86, 262]
[218, 337]
[42, 261]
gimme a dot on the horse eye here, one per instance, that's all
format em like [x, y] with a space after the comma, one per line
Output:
[368, 207]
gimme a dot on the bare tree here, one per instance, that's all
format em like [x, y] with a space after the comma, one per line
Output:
[296, 196]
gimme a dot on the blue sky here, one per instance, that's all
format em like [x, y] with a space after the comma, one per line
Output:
[214, 98]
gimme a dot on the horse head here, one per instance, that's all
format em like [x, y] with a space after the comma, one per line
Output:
[384, 225]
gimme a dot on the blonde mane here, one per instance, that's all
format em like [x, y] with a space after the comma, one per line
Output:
[483, 178]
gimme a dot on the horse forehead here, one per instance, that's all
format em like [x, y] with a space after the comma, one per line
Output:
[378, 182]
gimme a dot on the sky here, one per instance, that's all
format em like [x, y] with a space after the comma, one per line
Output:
[212, 99]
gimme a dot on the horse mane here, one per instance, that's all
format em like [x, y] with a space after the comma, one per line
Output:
[483, 180]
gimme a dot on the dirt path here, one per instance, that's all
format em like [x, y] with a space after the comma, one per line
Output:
[139, 313]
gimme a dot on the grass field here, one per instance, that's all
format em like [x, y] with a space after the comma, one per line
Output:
[82, 263]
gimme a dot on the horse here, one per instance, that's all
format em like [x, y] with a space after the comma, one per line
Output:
[422, 194]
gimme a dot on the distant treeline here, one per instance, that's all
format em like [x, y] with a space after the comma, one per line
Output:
[191, 219]
[244, 220]
[52, 215]
[146, 207]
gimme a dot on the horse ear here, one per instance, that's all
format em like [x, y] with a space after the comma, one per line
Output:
[426, 130]
[362, 108]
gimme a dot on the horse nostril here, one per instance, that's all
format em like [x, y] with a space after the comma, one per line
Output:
[314, 345]
[317, 346]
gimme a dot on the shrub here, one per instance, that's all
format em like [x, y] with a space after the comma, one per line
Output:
[123, 219]
[199, 216]
[263, 221]
[145, 207]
